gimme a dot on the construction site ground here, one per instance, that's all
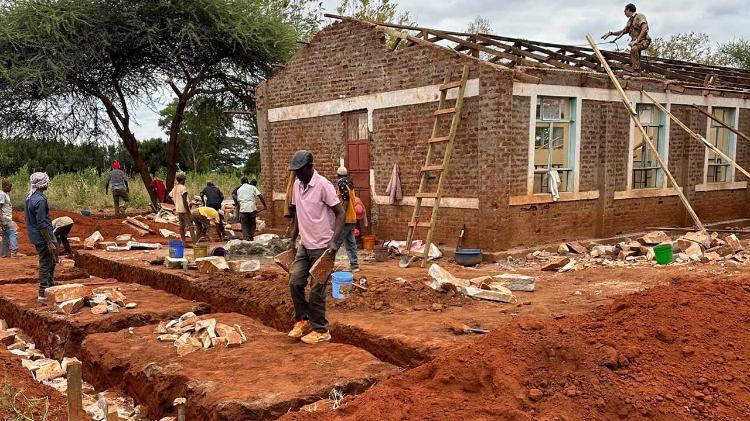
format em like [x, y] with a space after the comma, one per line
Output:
[596, 343]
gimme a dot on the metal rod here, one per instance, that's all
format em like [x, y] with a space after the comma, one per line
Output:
[637, 121]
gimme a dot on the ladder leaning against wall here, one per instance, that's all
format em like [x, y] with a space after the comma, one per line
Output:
[440, 167]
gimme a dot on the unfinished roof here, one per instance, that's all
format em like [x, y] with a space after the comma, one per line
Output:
[523, 53]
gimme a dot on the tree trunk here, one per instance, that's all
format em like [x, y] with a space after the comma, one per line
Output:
[173, 145]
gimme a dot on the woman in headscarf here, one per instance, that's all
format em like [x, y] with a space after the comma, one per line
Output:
[39, 229]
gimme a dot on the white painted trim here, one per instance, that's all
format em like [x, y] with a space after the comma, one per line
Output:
[532, 199]
[643, 193]
[577, 163]
[631, 142]
[532, 135]
[601, 94]
[734, 185]
[398, 98]
[733, 155]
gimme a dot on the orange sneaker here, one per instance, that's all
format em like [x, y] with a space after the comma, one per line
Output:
[316, 337]
[300, 329]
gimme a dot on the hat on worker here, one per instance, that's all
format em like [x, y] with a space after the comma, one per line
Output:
[116, 165]
[300, 159]
[342, 171]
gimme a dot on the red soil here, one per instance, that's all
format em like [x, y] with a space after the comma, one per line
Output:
[84, 226]
[15, 378]
[677, 351]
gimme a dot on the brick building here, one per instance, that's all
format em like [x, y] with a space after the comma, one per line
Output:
[353, 93]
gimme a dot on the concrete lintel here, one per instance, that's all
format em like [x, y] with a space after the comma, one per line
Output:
[397, 98]
[733, 185]
[644, 193]
[533, 199]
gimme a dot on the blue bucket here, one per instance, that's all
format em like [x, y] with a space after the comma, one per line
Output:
[341, 284]
[176, 249]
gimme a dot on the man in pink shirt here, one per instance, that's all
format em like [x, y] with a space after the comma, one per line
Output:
[319, 218]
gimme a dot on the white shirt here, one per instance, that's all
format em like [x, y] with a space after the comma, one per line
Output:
[7, 214]
[62, 221]
[246, 195]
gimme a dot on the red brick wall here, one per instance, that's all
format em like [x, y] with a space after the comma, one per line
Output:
[490, 161]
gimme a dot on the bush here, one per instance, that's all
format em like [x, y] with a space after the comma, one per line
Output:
[85, 189]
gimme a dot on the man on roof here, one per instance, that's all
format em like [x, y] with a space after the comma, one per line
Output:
[637, 28]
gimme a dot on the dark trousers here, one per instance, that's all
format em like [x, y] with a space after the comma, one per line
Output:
[118, 194]
[315, 309]
[62, 237]
[46, 268]
[247, 220]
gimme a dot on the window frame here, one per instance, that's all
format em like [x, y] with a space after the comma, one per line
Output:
[732, 138]
[662, 146]
[574, 127]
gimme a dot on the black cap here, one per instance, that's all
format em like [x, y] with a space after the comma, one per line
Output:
[300, 159]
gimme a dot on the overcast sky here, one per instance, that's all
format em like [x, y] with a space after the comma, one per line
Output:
[565, 22]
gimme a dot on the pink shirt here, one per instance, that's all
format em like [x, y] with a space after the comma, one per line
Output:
[315, 218]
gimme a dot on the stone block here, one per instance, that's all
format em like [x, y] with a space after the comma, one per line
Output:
[70, 307]
[654, 237]
[516, 282]
[51, 369]
[733, 242]
[556, 264]
[212, 264]
[244, 265]
[60, 293]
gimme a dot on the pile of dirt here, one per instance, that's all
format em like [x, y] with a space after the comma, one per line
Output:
[398, 295]
[676, 351]
[20, 390]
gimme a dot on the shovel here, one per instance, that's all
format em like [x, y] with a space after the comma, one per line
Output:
[461, 329]
[408, 257]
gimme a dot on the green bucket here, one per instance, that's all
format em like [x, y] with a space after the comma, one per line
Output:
[663, 254]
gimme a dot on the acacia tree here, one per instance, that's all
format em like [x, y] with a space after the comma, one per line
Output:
[374, 10]
[76, 68]
[690, 46]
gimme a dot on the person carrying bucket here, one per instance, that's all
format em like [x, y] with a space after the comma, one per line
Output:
[318, 216]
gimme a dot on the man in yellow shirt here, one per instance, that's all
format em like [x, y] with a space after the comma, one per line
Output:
[637, 28]
[202, 218]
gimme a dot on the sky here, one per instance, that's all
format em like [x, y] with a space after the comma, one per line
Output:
[565, 22]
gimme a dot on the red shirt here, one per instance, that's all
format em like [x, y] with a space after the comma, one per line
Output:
[160, 189]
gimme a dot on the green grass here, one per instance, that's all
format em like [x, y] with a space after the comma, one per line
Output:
[76, 191]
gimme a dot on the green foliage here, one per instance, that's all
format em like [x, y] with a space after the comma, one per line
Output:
[737, 53]
[374, 10]
[205, 138]
[71, 69]
[693, 46]
[85, 189]
[306, 16]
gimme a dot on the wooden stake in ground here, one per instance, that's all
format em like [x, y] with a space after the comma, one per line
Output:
[649, 142]
[75, 396]
[179, 403]
[696, 136]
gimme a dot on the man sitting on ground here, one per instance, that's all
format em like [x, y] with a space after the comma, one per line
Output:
[61, 228]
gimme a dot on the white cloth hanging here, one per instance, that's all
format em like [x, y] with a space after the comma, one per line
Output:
[553, 179]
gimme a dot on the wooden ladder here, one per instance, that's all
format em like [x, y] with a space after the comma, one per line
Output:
[441, 168]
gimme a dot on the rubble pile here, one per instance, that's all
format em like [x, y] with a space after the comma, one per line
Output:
[691, 247]
[189, 333]
[268, 245]
[70, 298]
[490, 287]
[54, 373]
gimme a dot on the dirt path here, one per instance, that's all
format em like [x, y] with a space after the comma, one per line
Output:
[677, 351]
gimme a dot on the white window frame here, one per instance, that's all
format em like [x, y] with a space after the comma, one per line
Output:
[662, 180]
[576, 104]
[732, 145]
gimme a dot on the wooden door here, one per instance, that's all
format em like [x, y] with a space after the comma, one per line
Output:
[357, 154]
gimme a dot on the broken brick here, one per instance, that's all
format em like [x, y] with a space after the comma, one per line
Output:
[60, 293]
[7, 338]
[556, 264]
[733, 242]
[654, 237]
[70, 307]
[577, 248]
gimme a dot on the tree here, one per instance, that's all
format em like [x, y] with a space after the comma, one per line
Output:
[206, 136]
[480, 25]
[305, 16]
[374, 10]
[693, 46]
[737, 53]
[75, 68]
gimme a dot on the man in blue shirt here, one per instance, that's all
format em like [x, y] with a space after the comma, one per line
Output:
[40, 231]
